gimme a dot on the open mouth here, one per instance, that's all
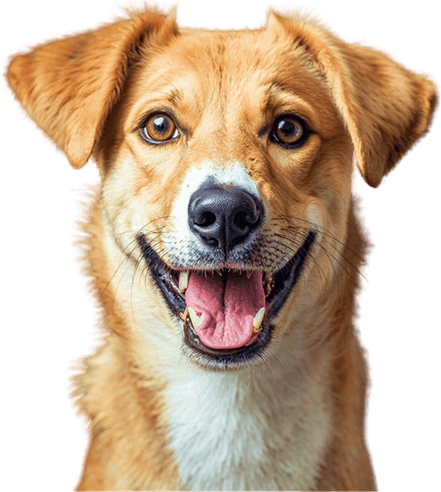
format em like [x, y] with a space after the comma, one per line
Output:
[226, 312]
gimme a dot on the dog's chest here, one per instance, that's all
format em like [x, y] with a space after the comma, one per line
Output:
[245, 431]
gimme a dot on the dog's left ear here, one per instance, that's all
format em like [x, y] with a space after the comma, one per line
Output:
[385, 107]
[70, 85]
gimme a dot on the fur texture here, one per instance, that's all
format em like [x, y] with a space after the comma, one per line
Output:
[163, 415]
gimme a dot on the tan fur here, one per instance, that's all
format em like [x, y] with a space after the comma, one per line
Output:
[90, 92]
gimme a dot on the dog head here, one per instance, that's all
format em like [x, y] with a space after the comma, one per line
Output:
[226, 160]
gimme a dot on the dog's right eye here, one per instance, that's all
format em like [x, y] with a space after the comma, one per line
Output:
[159, 128]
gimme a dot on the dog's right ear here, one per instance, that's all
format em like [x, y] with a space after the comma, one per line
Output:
[69, 86]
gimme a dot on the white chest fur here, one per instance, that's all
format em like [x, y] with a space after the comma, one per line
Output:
[259, 429]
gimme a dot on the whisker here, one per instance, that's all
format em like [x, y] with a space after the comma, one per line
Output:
[324, 231]
[298, 245]
[304, 234]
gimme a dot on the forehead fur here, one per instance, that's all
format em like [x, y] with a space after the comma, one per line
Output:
[198, 70]
[222, 54]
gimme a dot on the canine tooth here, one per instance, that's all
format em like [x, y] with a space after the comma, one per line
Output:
[183, 280]
[249, 273]
[184, 315]
[195, 320]
[257, 321]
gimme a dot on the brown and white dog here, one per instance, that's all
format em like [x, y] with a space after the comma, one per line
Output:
[223, 244]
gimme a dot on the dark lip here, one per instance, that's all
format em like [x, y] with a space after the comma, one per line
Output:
[287, 276]
[284, 281]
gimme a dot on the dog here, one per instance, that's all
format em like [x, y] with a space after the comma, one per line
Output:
[224, 244]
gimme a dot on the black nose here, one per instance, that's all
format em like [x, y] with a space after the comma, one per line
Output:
[224, 218]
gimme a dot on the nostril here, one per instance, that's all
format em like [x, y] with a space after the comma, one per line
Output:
[205, 219]
[244, 219]
[240, 220]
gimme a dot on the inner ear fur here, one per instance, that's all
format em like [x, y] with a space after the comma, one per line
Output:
[68, 86]
[385, 107]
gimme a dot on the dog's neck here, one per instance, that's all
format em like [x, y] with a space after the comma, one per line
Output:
[223, 424]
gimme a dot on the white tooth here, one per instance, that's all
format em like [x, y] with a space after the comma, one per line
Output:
[195, 320]
[257, 321]
[184, 315]
[183, 280]
[249, 274]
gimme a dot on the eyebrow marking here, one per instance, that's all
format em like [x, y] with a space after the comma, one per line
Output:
[174, 97]
[284, 99]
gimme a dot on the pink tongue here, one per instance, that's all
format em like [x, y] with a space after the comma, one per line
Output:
[227, 311]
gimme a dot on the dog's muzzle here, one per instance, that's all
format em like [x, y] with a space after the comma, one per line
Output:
[227, 301]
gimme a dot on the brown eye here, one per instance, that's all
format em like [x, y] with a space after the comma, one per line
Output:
[288, 131]
[159, 128]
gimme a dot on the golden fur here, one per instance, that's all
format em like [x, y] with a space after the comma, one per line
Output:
[90, 92]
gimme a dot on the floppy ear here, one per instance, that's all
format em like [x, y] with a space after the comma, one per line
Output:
[69, 86]
[384, 106]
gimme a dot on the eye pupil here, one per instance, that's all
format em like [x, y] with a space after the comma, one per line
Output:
[287, 128]
[161, 125]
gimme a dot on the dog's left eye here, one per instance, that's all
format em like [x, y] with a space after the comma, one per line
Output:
[288, 131]
[159, 128]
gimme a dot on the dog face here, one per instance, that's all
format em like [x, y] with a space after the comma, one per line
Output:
[223, 169]
[226, 160]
